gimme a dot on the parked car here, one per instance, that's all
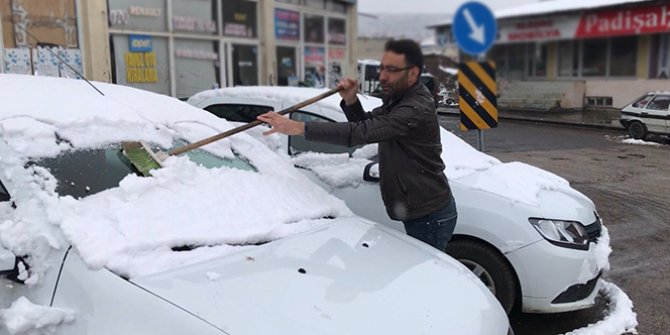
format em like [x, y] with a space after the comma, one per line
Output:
[228, 239]
[648, 114]
[534, 241]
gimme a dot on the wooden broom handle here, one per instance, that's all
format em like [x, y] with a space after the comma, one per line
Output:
[194, 145]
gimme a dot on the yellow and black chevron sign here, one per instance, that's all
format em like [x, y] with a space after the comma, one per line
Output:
[477, 95]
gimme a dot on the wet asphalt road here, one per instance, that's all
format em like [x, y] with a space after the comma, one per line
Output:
[630, 185]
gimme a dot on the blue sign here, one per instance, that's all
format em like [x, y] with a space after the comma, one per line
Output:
[474, 28]
[140, 43]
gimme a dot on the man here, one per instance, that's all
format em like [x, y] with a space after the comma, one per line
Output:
[412, 181]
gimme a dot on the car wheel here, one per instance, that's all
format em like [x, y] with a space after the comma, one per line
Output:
[489, 266]
[637, 130]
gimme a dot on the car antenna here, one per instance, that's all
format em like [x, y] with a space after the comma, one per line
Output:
[60, 59]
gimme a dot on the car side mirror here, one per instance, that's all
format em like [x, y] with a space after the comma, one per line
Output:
[371, 172]
[7, 261]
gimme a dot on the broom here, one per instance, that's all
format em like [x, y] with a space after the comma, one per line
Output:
[145, 159]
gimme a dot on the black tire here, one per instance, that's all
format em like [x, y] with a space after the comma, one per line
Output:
[637, 130]
[494, 271]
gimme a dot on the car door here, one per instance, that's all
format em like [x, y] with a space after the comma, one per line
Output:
[655, 114]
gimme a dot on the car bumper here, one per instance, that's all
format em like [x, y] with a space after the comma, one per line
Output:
[568, 282]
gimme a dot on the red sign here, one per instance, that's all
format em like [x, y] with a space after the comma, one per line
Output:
[625, 21]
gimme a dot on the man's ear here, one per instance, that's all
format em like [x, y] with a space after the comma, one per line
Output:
[414, 73]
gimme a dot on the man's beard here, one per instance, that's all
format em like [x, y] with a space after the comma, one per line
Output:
[396, 89]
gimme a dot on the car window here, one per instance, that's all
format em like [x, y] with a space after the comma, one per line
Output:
[640, 103]
[4, 194]
[298, 144]
[238, 112]
[660, 103]
[82, 173]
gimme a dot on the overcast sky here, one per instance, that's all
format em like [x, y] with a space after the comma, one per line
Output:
[427, 6]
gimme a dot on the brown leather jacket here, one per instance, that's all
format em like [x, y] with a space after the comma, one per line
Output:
[412, 179]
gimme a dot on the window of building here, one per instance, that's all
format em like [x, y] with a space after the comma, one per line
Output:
[568, 59]
[516, 61]
[194, 16]
[316, 4]
[197, 66]
[245, 65]
[148, 15]
[594, 58]
[623, 56]
[337, 31]
[314, 32]
[537, 56]
[663, 69]
[336, 7]
[287, 25]
[599, 101]
[287, 69]
[239, 18]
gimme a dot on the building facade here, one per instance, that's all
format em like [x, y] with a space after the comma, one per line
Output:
[181, 47]
[594, 54]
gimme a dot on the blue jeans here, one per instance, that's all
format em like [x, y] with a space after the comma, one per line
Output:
[435, 228]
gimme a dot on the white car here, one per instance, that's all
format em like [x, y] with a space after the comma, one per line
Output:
[229, 239]
[648, 114]
[537, 243]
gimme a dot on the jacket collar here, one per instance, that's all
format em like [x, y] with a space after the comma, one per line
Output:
[392, 101]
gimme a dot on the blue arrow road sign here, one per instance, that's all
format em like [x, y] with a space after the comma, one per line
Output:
[474, 28]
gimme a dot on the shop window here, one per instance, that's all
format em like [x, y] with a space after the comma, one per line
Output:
[239, 18]
[537, 54]
[663, 69]
[516, 66]
[316, 4]
[245, 65]
[146, 15]
[314, 28]
[197, 66]
[194, 16]
[599, 101]
[594, 57]
[286, 67]
[336, 31]
[315, 67]
[145, 69]
[623, 56]
[287, 25]
[568, 59]
[292, 2]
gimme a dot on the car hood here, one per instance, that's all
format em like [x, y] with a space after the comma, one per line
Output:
[349, 277]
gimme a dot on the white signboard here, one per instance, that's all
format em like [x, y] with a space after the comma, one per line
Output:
[18, 61]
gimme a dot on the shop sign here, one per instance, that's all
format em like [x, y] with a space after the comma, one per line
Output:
[196, 54]
[337, 53]
[118, 17]
[140, 43]
[544, 29]
[625, 21]
[193, 24]
[287, 25]
[144, 11]
[141, 67]
[238, 30]
[239, 18]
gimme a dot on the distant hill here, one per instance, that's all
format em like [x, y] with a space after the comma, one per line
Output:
[411, 26]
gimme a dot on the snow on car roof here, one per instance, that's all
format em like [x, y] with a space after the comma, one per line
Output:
[131, 228]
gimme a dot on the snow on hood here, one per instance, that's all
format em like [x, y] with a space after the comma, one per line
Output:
[131, 228]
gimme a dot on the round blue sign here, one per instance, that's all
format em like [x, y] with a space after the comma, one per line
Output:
[474, 28]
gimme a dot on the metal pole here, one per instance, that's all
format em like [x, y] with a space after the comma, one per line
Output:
[480, 134]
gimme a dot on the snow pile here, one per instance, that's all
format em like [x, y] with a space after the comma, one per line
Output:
[620, 318]
[640, 142]
[24, 317]
[337, 170]
[461, 158]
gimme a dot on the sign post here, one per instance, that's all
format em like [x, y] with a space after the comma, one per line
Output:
[475, 31]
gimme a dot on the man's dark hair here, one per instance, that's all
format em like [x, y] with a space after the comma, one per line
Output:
[409, 48]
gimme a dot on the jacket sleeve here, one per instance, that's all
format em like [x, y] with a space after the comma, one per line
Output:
[376, 128]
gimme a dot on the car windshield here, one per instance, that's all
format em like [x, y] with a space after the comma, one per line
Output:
[81, 173]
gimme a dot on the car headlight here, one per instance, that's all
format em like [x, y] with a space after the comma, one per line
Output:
[570, 234]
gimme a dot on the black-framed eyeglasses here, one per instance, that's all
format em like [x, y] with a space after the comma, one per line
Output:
[392, 69]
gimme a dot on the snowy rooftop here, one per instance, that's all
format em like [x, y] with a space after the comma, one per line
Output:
[552, 6]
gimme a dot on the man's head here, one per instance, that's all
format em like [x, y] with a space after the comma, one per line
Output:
[400, 67]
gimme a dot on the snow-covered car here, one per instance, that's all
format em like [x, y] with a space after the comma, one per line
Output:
[648, 114]
[537, 243]
[227, 239]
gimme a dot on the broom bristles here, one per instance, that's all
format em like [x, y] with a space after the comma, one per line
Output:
[142, 159]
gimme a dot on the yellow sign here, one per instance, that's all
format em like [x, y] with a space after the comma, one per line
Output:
[141, 67]
[477, 95]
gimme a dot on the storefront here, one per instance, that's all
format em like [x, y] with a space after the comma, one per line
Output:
[181, 47]
[615, 52]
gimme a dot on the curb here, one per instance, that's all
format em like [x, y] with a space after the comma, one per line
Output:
[544, 121]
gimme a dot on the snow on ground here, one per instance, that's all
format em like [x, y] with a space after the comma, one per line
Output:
[628, 140]
[620, 317]
[25, 318]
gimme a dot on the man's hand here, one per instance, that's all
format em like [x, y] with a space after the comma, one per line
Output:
[282, 124]
[350, 88]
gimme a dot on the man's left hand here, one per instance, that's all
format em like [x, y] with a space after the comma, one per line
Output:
[282, 124]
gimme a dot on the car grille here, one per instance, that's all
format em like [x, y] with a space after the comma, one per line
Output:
[593, 230]
[577, 292]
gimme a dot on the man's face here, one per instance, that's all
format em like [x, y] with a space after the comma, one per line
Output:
[394, 77]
